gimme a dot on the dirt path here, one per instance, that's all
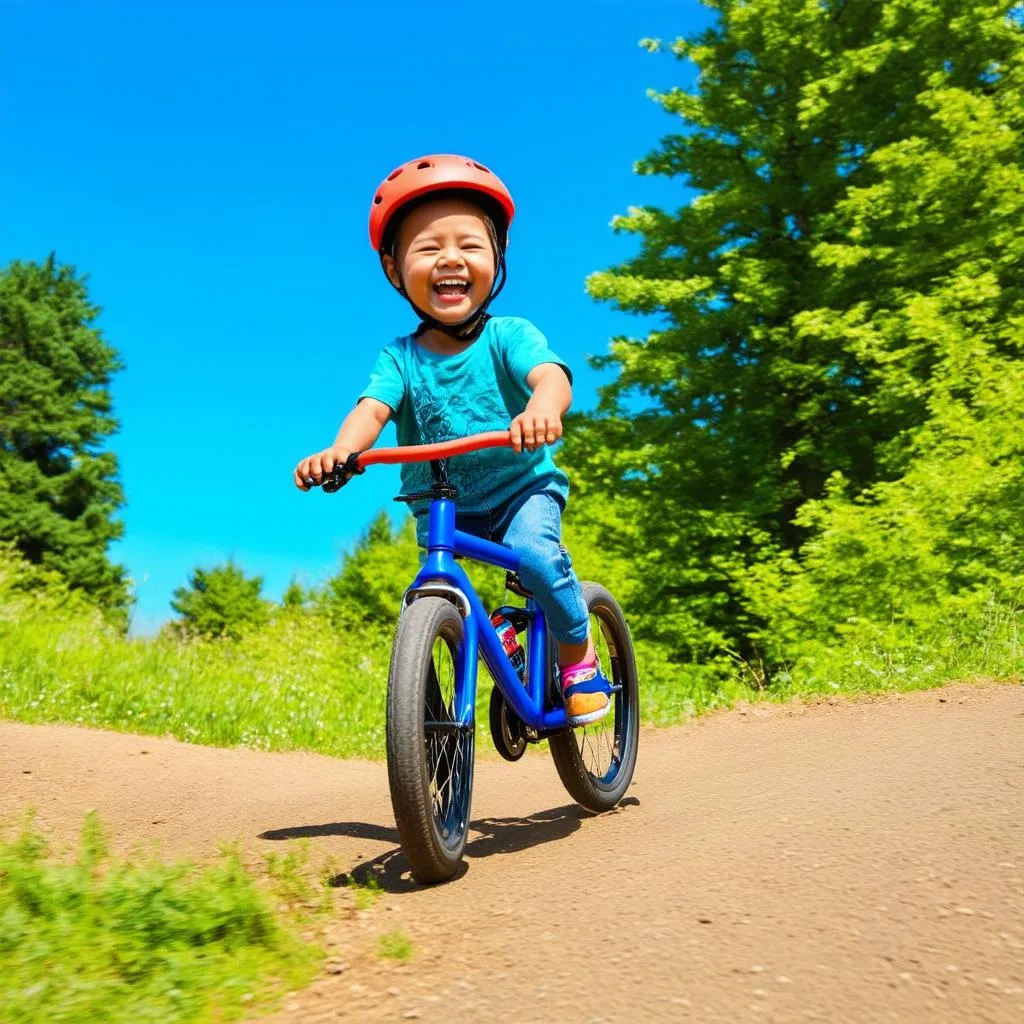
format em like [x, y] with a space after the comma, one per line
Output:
[852, 861]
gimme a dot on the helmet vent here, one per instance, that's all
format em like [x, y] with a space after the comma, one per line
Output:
[378, 199]
[480, 167]
[423, 165]
[395, 174]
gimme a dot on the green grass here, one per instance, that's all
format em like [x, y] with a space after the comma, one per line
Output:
[300, 683]
[119, 942]
[292, 879]
[366, 892]
[297, 684]
[986, 645]
[395, 946]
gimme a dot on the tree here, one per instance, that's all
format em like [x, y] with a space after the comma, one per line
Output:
[783, 355]
[376, 573]
[220, 602]
[935, 247]
[58, 486]
[294, 598]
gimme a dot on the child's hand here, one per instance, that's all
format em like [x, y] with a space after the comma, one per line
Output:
[535, 427]
[319, 465]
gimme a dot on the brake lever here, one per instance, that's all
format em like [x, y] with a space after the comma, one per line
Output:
[340, 475]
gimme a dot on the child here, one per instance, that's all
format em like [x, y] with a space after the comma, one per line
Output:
[440, 227]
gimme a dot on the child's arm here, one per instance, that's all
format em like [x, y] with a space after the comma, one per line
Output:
[360, 431]
[541, 421]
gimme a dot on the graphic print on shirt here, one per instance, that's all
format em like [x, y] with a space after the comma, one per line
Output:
[453, 416]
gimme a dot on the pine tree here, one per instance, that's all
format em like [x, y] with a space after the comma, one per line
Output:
[374, 574]
[295, 596]
[220, 602]
[59, 491]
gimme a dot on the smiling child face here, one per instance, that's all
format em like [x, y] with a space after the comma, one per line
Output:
[445, 257]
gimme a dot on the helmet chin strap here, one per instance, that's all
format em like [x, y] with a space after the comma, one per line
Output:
[464, 331]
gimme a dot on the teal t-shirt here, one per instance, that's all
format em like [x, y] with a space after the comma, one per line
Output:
[444, 397]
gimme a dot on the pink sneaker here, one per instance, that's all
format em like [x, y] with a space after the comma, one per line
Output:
[586, 692]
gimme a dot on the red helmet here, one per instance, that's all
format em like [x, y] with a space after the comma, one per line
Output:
[436, 173]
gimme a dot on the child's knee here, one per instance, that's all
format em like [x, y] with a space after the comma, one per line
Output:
[543, 565]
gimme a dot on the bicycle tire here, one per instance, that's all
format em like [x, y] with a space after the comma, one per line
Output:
[569, 750]
[430, 766]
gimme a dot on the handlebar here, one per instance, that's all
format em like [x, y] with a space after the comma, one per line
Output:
[358, 461]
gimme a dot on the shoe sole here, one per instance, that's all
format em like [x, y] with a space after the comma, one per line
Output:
[590, 717]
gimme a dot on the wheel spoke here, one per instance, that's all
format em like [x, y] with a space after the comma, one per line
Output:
[430, 744]
[600, 744]
[447, 749]
[596, 762]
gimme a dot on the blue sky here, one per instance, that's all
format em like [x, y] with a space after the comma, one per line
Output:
[210, 166]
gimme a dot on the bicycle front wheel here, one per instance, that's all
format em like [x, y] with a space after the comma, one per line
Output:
[595, 762]
[430, 752]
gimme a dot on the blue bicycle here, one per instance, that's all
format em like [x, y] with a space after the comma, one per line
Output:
[442, 630]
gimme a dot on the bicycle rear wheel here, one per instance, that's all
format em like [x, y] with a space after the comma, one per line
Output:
[429, 751]
[595, 762]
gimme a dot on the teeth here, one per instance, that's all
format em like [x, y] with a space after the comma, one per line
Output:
[452, 281]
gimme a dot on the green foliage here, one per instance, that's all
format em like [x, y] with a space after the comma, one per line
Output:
[99, 939]
[817, 439]
[942, 543]
[376, 573]
[220, 602]
[302, 683]
[291, 879]
[977, 643]
[58, 487]
[373, 575]
[298, 683]
[294, 596]
[934, 247]
[27, 588]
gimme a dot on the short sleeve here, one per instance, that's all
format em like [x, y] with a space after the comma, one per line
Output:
[387, 383]
[525, 348]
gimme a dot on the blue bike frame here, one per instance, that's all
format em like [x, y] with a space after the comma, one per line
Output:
[444, 542]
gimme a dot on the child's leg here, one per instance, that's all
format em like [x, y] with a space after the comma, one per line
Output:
[572, 654]
[546, 570]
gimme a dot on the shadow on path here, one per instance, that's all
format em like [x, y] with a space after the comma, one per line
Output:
[488, 836]
[355, 829]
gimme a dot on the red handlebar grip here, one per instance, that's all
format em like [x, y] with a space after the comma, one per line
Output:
[444, 450]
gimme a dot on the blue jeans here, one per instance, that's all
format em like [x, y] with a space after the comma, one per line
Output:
[532, 524]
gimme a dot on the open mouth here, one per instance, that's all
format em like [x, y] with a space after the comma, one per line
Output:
[451, 289]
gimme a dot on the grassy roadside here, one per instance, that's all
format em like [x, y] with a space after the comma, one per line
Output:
[299, 683]
[95, 938]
